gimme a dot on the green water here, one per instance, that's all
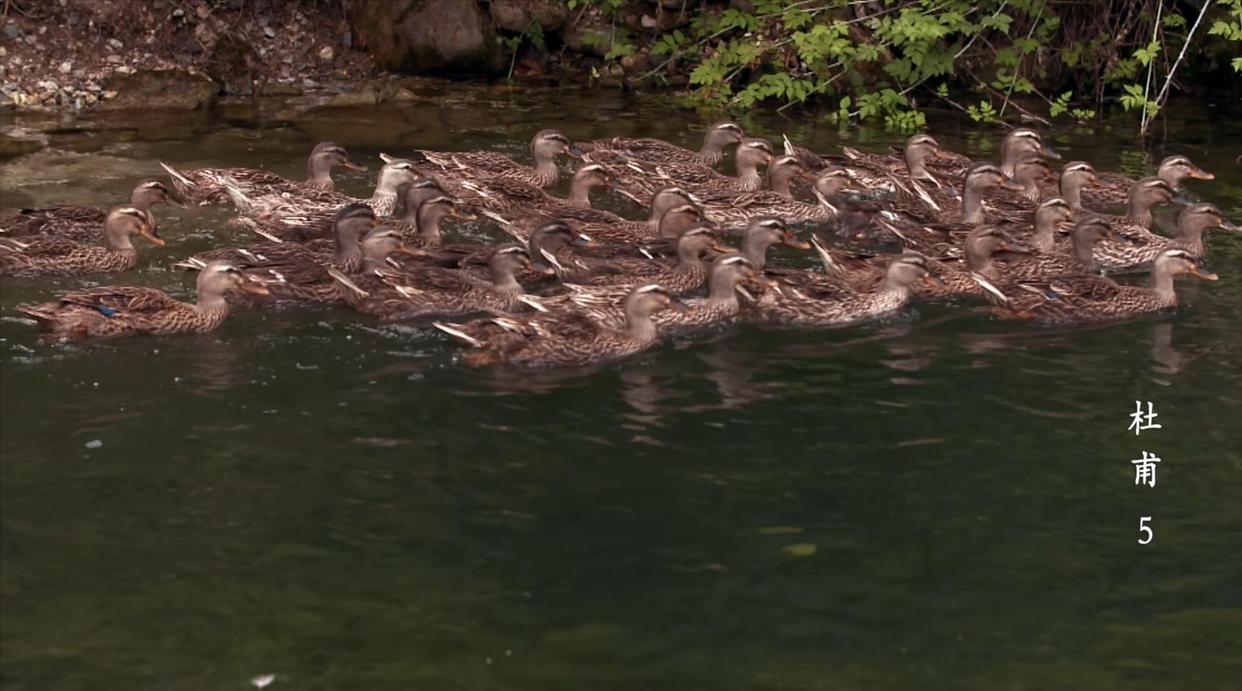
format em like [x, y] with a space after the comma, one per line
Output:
[936, 501]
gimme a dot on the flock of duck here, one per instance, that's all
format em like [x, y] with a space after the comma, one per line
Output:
[574, 284]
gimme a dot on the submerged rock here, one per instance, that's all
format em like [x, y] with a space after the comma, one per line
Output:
[167, 88]
[428, 36]
[518, 15]
[15, 141]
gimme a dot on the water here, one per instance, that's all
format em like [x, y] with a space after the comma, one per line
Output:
[938, 501]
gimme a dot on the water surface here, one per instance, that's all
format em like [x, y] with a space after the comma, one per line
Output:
[936, 501]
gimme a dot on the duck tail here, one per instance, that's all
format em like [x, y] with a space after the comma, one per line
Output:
[236, 196]
[455, 331]
[44, 314]
[192, 264]
[346, 281]
[253, 226]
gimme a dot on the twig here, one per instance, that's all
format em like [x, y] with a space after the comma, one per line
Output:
[1151, 68]
[1164, 91]
[1014, 81]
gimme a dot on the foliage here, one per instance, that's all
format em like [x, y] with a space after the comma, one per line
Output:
[886, 59]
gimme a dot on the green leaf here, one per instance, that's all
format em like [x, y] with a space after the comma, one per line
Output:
[801, 549]
[1237, 64]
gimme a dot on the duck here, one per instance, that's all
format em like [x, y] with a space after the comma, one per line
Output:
[1052, 214]
[685, 275]
[762, 233]
[49, 256]
[736, 209]
[507, 196]
[721, 305]
[881, 171]
[203, 186]
[1192, 223]
[490, 166]
[81, 223]
[1097, 298]
[129, 311]
[566, 339]
[919, 224]
[1080, 258]
[1145, 194]
[432, 291]
[1112, 190]
[718, 136]
[314, 212]
[826, 303]
[298, 273]
[641, 179]
[961, 272]
[675, 214]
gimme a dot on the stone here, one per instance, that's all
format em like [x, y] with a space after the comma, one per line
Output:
[113, 59]
[115, 43]
[518, 15]
[269, 32]
[590, 36]
[6, 103]
[365, 96]
[326, 53]
[3, 51]
[66, 67]
[159, 88]
[125, 69]
[12, 31]
[428, 36]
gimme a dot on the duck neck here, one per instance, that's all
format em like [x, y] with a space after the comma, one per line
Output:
[1030, 189]
[916, 162]
[1192, 235]
[546, 172]
[893, 284]
[1162, 286]
[972, 204]
[723, 288]
[1084, 250]
[319, 173]
[580, 193]
[211, 303]
[119, 241]
[979, 260]
[639, 326]
[348, 249]
[755, 249]
[1139, 211]
[503, 280]
[1071, 191]
[779, 183]
[748, 174]
[429, 218]
[1044, 239]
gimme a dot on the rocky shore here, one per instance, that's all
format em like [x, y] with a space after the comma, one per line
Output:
[75, 55]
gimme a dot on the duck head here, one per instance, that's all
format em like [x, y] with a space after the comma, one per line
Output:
[124, 222]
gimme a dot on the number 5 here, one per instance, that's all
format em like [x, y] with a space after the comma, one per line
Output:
[1144, 528]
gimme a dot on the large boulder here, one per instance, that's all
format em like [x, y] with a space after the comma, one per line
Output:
[428, 36]
[166, 88]
[519, 15]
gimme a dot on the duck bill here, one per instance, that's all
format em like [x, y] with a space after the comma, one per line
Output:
[1011, 185]
[1201, 174]
[583, 240]
[1198, 272]
[575, 151]
[678, 306]
[1049, 152]
[1226, 224]
[724, 249]
[150, 233]
[350, 165]
[791, 241]
[943, 155]
[412, 251]
[933, 281]
[255, 288]
[172, 201]
[463, 215]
